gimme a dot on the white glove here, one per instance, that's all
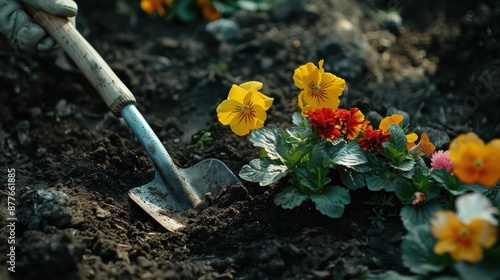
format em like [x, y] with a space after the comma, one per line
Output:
[20, 30]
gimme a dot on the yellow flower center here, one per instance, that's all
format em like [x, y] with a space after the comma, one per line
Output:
[464, 232]
[478, 163]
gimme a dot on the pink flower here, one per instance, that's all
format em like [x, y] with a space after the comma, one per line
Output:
[441, 159]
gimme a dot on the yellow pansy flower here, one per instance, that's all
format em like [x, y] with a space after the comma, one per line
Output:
[474, 161]
[464, 234]
[245, 109]
[320, 89]
[385, 122]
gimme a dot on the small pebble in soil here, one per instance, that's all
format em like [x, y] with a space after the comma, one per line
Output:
[223, 29]
[22, 131]
[40, 152]
[44, 209]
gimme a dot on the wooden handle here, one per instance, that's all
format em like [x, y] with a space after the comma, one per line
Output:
[112, 90]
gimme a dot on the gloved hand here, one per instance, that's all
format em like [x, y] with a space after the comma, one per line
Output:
[20, 30]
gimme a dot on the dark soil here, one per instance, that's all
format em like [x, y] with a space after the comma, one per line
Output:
[75, 162]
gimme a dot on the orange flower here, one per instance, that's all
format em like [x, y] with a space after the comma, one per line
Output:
[474, 161]
[384, 124]
[465, 233]
[208, 10]
[465, 242]
[151, 6]
[424, 146]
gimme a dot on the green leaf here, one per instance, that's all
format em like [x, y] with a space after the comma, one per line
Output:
[352, 179]
[298, 134]
[289, 198]
[451, 183]
[398, 138]
[331, 201]
[263, 171]
[314, 175]
[269, 138]
[185, 10]
[487, 269]
[405, 165]
[347, 154]
[299, 120]
[377, 182]
[413, 216]
[418, 252]
[420, 181]
[406, 192]
[291, 155]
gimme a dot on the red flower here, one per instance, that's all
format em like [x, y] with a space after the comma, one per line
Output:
[324, 120]
[373, 139]
[354, 125]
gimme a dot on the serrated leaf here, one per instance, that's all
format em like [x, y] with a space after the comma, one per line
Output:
[406, 192]
[413, 216]
[398, 138]
[263, 171]
[420, 181]
[299, 120]
[418, 252]
[291, 155]
[420, 164]
[289, 198]
[268, 138]
[377, 182]
[347, 154]
[331, 201]
[406, 165]
[314, 175]
[352, 179]
[297, 134]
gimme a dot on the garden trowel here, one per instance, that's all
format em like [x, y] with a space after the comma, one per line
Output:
[173, 190]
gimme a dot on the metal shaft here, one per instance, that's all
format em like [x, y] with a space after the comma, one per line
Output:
[163, 164]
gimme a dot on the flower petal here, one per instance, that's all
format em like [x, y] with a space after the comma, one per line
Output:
[472, 253]
[445, 224]
[485, 233]
[475, 206]
[255, 84]
[237, 93]
[395, 118]
[226, 111]
[425, 145]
